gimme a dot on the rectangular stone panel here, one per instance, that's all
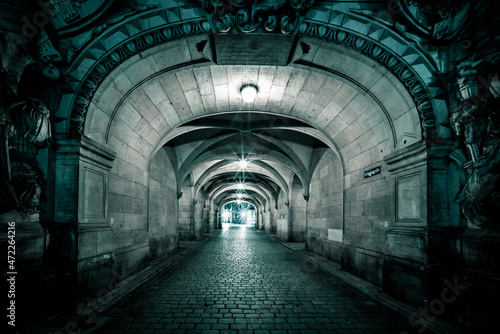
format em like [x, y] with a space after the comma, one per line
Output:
[94, 194]
[335, 234]
[408, 199]
[254, 49]
[66, 195]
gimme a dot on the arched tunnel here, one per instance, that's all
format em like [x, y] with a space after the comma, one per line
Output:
[360, 135]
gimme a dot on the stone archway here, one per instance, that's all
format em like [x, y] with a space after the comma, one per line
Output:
[151, 89]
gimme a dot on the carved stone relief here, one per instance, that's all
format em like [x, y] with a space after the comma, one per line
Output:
[249, 16]
[28, 130]
[476, 121]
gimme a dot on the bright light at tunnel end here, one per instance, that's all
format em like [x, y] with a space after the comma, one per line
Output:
[248, 92]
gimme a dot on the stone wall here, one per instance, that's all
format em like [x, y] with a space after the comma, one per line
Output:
[128, 212]
[191, 213]
[298, 212]
[282, 217]
[199, 214]
[163, 206]
[186, 214]
[324, 208]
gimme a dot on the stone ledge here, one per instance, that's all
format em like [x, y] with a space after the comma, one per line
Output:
[57, 324]
[372, 291]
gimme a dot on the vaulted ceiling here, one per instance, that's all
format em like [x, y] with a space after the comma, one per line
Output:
[169, 79]
[246, 153]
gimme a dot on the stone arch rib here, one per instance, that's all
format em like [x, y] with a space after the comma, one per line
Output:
[394, 62]
[424, 92]
[120, 53]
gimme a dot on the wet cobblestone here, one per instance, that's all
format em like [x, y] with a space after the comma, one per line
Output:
[241, 282]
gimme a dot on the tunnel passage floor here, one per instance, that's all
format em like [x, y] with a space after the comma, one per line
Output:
[240, 282]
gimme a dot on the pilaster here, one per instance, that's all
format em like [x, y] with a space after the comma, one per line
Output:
[80, 237]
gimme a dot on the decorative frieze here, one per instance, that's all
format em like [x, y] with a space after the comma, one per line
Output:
[252, 16]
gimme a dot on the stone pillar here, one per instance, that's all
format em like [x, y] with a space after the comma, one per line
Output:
[206, 225]
[186, 215]
[268, 221]
[80, 237]
[217, 219]
[289, 232]
[297, 218]
[405, 268]
[198, 228]
[211, 219]
[422, 236]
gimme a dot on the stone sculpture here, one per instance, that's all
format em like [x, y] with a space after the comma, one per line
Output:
[440, 20]
[28, 130]
[476, 122]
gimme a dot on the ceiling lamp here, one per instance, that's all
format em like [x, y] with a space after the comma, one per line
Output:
[248, 92]
[241, 186]
[243, 163]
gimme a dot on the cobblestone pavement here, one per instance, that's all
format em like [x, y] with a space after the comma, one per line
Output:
[242, 282]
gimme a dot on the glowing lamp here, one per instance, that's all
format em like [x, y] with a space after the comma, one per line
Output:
[248, 92]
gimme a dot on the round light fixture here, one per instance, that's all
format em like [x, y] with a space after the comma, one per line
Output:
[243, 163]
[248, 92]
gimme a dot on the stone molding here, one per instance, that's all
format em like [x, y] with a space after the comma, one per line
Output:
[76, 156]
[86, 148]
[375, 41]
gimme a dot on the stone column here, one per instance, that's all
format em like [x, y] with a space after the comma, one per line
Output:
[206, 225]
[198, 228]
[260, 222]
[217, 219]
[268, 222]
[186, 215]
[211, 219]
[422, 236]
[296, 218]
[81, 240]
[405, 268]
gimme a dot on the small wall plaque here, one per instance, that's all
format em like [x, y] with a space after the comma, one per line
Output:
[372, 172]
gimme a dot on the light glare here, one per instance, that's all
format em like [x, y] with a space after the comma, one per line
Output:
[243, 163]
[248, 93]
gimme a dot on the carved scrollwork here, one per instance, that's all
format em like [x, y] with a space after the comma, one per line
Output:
[249, 16]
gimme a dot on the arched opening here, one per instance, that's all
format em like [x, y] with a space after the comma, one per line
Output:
[238, 212]
[331, 122]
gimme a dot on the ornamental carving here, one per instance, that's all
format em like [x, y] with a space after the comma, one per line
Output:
[28, 129]
[250, 16]
[435, 19]
[476, 121]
